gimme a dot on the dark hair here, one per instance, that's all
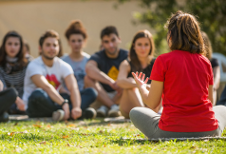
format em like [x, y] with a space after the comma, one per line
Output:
[132, 54]
[61, 53]
[21, 58]
[54, 34]
[27, 46]
[109, 30]
[48, 33]
[76, 27]
[207, 44]
[184, 33]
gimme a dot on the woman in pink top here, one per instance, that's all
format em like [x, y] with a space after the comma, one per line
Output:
[184, 77]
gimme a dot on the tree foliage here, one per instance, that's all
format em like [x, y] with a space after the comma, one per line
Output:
[210, 13]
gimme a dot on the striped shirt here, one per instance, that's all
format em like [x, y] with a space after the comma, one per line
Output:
[15, 80]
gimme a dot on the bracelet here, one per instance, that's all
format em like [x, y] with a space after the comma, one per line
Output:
[65, 101]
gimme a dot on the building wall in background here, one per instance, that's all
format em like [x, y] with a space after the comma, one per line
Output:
[31, 18]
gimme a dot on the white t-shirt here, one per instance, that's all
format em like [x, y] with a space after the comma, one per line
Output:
[54, 75]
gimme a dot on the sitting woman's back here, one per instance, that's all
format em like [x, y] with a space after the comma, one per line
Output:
[184, 77]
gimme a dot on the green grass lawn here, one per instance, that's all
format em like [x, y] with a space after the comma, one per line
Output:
[93, 136]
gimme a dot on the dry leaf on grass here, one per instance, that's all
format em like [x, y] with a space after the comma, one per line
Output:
[135, 135]
[48, 126]
[71, 125]
[37, 125]
[66, 136]
[43, 142]
[13, 133]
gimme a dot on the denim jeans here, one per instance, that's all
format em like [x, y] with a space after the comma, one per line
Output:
[222, 100]
[7, 98]
[41, 105]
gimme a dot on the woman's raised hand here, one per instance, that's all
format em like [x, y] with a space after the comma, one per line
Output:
[139, 78]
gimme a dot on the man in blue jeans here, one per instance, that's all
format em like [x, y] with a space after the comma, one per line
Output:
[222, 100]
[43, 80]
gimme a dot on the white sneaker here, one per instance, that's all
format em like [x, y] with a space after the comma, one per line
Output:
[114, 111]
[58, 115]
[102, 111]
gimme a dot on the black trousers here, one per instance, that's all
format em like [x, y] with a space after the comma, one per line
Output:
[7, 98]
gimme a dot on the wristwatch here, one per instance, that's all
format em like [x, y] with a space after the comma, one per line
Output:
[65, 101]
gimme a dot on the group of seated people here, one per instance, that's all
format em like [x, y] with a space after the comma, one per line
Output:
[112, 82]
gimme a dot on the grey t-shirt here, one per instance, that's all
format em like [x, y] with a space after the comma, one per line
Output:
[78, 68]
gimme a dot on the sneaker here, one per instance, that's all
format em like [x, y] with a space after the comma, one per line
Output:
[90, 113]
[4, 117]
[58, 115]
[102, 111]
[114, 111]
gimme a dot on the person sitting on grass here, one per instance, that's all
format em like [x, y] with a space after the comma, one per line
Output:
[184, 76]
[102, 71]
[214, 64]
[77, 59]
[140, 59]
[43, 79]
[13, 65]
[7, 98]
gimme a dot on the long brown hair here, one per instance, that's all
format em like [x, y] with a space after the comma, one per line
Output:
[184, 33]
[21, 58]
[132, 54]
[76, 27]
[208, 46]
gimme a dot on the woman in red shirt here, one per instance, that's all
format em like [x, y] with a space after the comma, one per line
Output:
[184, 77]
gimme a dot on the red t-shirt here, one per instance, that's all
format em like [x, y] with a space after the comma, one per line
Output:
[186, 77]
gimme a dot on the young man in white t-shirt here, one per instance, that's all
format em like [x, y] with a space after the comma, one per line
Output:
[43, 79]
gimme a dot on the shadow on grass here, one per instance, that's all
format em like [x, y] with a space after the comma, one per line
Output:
[123, 142]
[22, 136]
[82, 122]
[127, 141]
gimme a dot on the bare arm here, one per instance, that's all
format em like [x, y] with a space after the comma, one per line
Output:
[1, 85]
[93, 72]
[122, 80]
[216, 72]
[151, 98]
[72, 86]
[210, 91]
[41, 82]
